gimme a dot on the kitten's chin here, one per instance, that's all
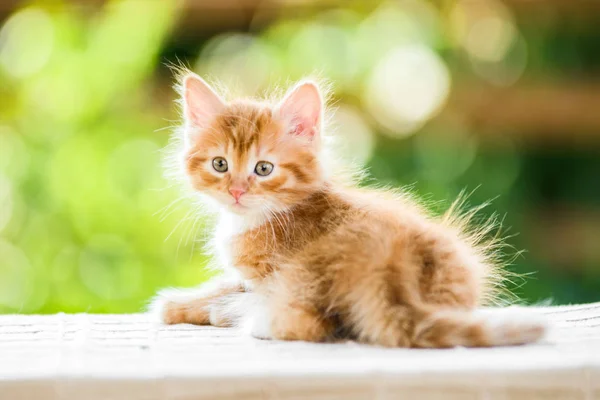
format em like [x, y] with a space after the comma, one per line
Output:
[239, 209]
[242, 209]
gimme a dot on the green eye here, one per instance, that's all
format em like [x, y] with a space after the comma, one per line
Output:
[220, 164]
[263, 168]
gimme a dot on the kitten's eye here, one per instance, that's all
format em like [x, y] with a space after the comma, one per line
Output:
[220, 164]
[263, 168]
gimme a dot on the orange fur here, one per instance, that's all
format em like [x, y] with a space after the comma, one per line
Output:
[314, 256]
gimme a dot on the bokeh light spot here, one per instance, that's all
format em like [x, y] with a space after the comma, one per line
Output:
[490, 39]
[70, 99]
[509, 69]
[408, 86]
[487, 31]
[325, 49]
[26, 42]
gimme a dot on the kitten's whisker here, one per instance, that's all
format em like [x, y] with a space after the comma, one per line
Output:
[193, 234]
[170, 127]
[274, 236]
[278, 222]
[178, 224]
[166, 208]
[279, 217]
[186, 231]
[167, 215]
[290, 219]
[191, 231]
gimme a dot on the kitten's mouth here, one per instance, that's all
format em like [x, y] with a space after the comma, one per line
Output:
[239, 207]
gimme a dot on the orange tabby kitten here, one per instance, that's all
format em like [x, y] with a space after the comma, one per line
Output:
[305, 257]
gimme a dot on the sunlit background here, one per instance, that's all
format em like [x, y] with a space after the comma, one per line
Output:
[498, 96]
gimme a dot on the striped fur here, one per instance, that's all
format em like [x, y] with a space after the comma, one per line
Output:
[308, 258]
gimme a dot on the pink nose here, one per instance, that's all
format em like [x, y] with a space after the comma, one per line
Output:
[237, 193]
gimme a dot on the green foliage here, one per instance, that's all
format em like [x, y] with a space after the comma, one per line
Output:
[88, 223]
[80, 175]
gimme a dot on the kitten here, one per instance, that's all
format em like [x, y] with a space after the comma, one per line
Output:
[304, 256]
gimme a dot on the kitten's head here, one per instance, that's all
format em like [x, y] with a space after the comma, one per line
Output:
[253, 157]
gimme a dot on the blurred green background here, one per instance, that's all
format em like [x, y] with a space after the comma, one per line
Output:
[502, 96]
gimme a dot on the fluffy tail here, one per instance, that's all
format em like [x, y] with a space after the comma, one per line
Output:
[481, 328]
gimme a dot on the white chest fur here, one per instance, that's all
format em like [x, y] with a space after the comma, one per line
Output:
[257, 319]
[229, 226]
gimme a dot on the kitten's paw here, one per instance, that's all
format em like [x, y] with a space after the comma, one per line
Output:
[297, 323]
[227, 311]
[163, 310]
[290, 324]
[258, 324]
[156, 309]
[174, 306]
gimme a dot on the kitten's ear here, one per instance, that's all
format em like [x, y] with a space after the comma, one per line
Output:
[302, 109]
[200, 102]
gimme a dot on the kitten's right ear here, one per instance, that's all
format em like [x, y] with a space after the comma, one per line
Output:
[200, 102]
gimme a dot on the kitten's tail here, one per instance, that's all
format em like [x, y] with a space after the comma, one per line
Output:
[481, 328]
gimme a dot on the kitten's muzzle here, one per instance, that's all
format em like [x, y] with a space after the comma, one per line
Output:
[237, 193]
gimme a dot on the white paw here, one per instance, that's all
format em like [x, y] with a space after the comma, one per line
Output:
[227, 311]
[157, 308]
[257, 323]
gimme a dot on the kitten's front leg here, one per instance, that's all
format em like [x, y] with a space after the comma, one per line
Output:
[284, 318]
[257, 319]
[210, 304]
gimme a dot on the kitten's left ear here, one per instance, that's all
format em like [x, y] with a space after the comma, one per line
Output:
[201, 103]
[302, 109]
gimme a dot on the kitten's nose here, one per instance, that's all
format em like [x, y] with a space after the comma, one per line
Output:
[237, 193]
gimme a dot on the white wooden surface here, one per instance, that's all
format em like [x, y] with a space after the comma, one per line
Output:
[129, 357]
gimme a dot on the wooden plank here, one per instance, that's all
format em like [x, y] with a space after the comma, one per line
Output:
[131, 357]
